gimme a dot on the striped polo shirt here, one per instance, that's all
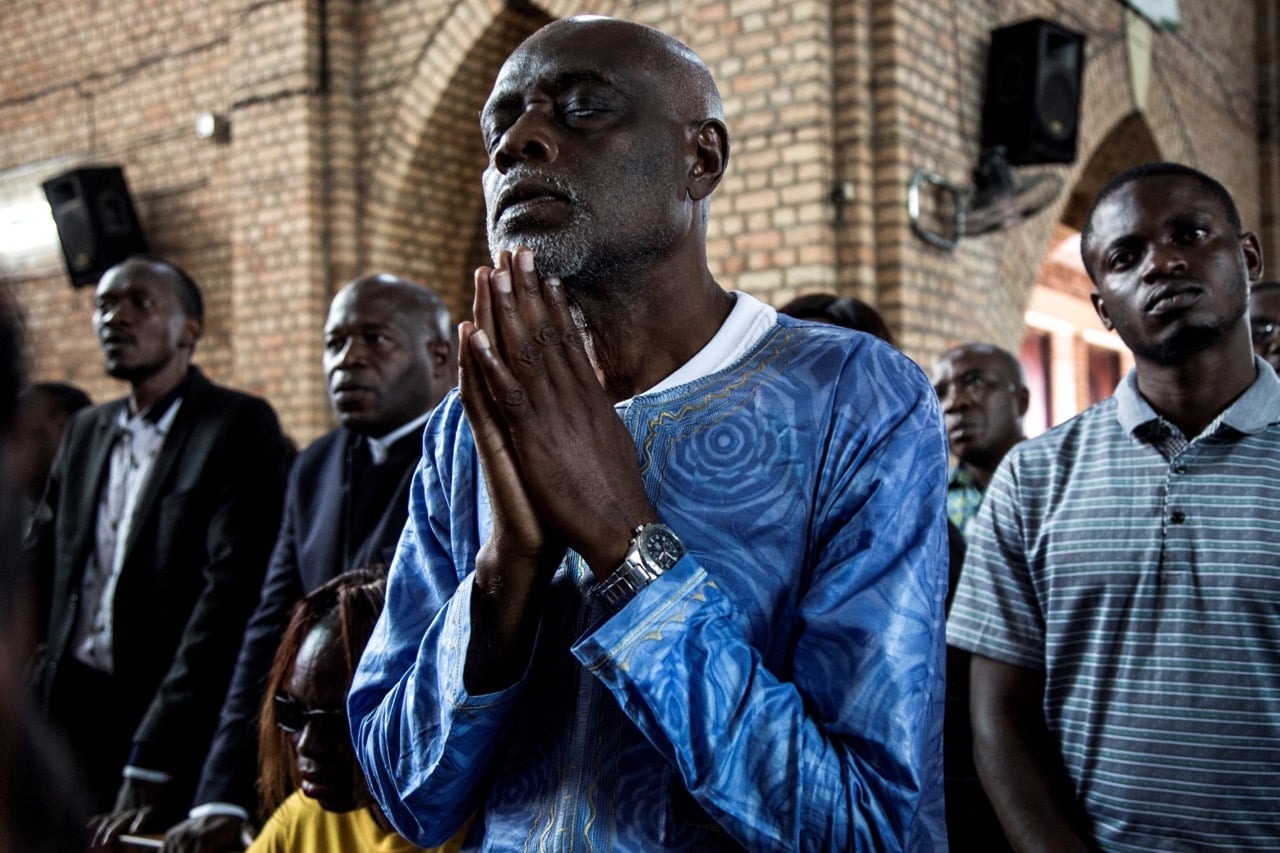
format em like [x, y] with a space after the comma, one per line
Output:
[1141, 573]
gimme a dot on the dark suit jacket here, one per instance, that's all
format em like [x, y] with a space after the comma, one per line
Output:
[338, 516]
[193, 563]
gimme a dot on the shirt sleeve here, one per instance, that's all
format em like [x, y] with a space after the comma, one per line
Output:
[996, 612]
[424, 743]
[840, 749]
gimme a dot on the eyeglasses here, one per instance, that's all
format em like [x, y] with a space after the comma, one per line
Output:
[1265, 332]
[975, 385]
[292, 716]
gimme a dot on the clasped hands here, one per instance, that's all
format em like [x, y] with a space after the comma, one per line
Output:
[559, 465]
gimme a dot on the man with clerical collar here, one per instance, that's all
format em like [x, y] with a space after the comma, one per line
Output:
[389, 356]
[150, 546]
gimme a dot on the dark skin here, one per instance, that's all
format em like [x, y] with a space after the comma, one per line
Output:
[147, 340]
[983, 400]
[1169, 240]
[1264, 310]
[383, 358]
[1172, 279]
[544, 359]
[1017, 759]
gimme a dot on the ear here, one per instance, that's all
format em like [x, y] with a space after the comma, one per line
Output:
[710, 157]
[1252, 255]
[192, 329]
[1022, 397]
[440, 355]
[1101, 308]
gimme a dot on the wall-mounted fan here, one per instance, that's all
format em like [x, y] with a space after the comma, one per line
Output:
[1000, 200]
[997, 200]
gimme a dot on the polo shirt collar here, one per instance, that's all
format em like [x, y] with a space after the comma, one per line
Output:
[1250, 413]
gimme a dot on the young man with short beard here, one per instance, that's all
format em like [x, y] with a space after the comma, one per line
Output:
[1120, 593]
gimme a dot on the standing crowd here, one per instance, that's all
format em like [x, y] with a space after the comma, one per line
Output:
[669, 569]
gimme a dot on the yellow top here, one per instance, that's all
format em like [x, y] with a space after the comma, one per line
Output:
[300, 825]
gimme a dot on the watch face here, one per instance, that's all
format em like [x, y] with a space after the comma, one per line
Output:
[661, 547]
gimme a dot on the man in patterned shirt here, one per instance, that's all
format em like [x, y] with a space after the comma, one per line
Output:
[672, 577]
[1120, 593]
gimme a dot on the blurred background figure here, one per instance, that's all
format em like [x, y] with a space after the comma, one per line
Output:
[43, 411]
[984, 397]
[149, 544]
[1264, 320]
[309, 781]
[41, 807]
[843, 311]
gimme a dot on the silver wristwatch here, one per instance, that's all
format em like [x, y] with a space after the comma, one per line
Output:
[654, 549]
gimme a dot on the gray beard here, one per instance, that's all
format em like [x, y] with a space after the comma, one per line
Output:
[573, 256]
[559, 255]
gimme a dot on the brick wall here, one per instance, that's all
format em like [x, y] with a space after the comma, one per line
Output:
[354, 148]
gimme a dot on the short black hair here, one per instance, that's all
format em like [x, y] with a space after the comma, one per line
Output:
[1156, 170]
[847, 311]
[188, 291]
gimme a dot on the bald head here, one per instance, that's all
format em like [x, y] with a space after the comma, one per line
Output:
[689, 91]
[423, 309]
[1009, 366]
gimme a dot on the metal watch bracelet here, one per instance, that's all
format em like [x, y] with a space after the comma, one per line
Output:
[628, 579]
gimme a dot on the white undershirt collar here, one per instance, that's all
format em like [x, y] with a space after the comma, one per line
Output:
[746, 324]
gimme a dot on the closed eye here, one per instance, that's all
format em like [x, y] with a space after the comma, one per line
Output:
[491, 137]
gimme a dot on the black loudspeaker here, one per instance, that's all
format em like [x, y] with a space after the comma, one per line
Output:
[1032, 103]
[97, 224]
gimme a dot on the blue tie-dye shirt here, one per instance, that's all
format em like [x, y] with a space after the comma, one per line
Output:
[779, 689]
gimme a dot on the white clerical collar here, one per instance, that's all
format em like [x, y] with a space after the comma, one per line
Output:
[381, 446]
[746, 324]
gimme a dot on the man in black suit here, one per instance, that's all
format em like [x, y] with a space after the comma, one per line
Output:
[150, 548]
[389, 356]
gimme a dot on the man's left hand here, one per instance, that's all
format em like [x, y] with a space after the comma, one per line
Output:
[140, 807]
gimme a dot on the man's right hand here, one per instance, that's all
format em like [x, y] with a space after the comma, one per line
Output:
[215, 833]
[515, 565]
[520, 533]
